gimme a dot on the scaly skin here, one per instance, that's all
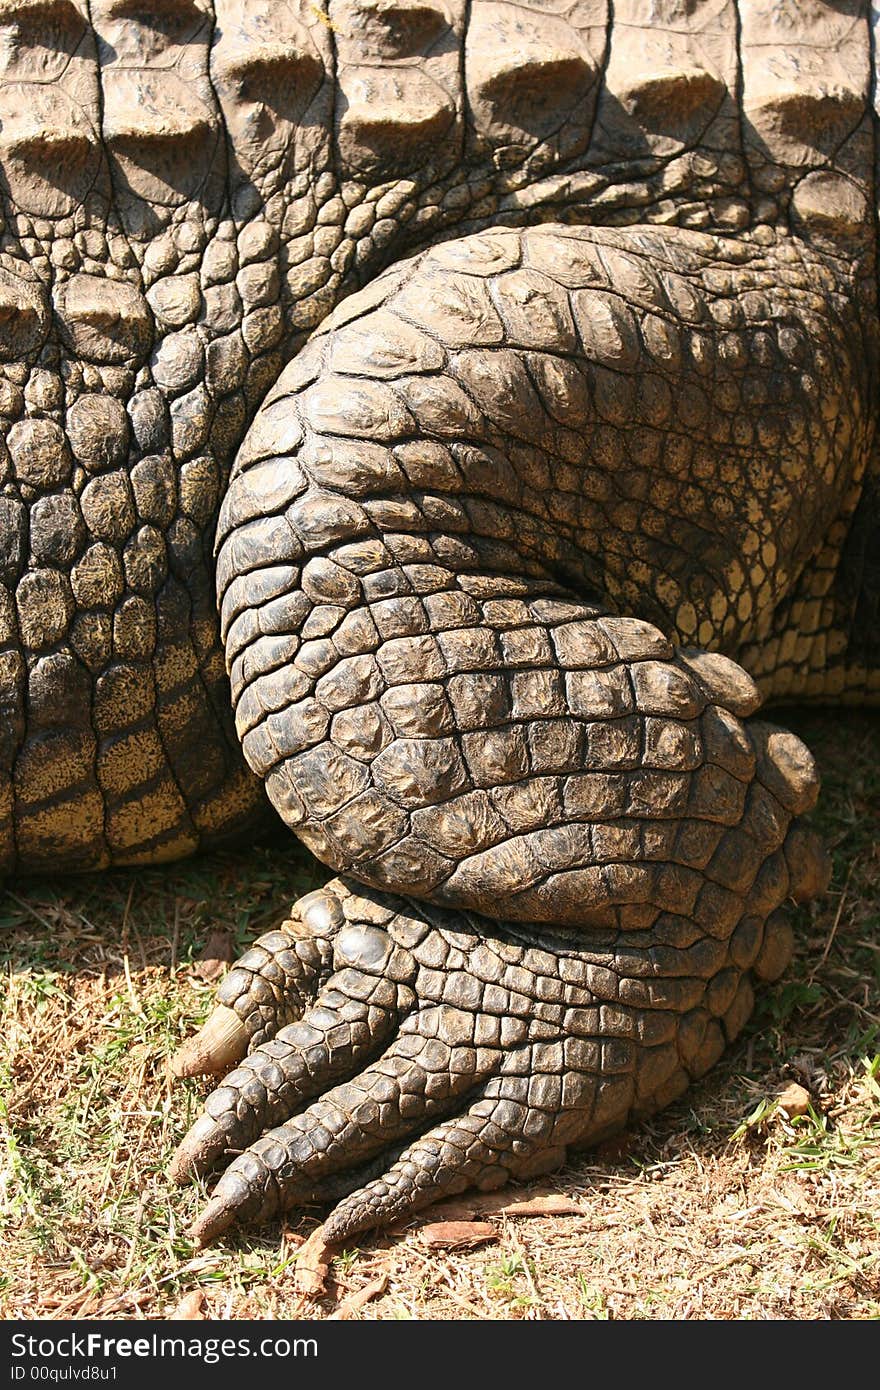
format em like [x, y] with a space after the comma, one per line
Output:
[500, 532]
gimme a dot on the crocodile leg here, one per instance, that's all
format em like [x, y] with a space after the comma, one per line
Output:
[578, 846]
[520, 1041]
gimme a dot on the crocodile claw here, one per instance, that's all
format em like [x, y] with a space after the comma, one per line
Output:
[444, 1052]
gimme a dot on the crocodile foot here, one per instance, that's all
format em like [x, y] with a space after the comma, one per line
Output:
[436, 1051]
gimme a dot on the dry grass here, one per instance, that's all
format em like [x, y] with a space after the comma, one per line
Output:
[722, 1208]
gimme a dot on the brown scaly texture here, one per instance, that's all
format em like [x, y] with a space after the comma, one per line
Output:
[522, 358]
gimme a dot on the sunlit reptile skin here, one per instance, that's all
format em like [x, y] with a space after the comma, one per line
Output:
[521, 361]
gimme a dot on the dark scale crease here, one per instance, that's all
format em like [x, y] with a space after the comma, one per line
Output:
[468, 118]
[506, 562]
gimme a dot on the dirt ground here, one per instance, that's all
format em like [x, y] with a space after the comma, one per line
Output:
[726, 1206]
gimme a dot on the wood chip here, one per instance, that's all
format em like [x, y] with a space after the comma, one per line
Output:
[215, 956]
[312, 1267]
[353, 1301]
[793, 1197]
[507, 1204]
[191, 1307]
[794, 1100]
[457, 1235]
[553, 1204]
